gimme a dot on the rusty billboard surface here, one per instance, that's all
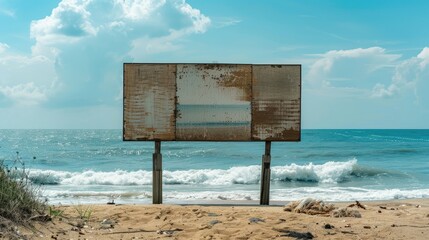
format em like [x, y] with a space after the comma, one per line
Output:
[212, 102]
[149, 101]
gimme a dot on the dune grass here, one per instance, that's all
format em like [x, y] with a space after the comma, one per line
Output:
[19, 199]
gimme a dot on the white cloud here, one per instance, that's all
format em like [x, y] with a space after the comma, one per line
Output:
[353, 64]
[75, 20]
[424, 56]
[199, 21]
[372, 72]
[88, 40]
[139, 9]
[24, 94]
[381, 91]
[411, 74]
[3, 47]
[69, 21]
[25, 80]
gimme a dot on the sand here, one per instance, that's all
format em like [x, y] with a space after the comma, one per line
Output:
[397, 219]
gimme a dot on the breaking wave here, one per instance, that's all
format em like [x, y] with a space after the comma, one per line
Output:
[329, 172]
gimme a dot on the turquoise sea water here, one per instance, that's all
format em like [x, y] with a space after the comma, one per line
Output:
[95, 166]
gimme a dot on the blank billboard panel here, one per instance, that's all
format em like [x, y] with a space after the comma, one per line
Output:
[212, 102]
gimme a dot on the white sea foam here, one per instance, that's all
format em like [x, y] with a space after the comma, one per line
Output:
[134, 186]
[330, 172]
[292, 194]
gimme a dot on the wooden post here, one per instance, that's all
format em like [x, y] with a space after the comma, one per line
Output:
[266, 175]
[157, 174]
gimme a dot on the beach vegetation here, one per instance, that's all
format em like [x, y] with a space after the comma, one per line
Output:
[84, 212]
[19, 199]
[53, 212]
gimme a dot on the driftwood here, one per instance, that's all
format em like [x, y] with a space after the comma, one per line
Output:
[166, 232]
[357, 204]
[294, 234]
[415, 226]
[131, 231]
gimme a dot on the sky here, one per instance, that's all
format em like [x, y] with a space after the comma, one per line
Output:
[365, 64]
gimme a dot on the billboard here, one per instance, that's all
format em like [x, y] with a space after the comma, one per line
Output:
[211, 102]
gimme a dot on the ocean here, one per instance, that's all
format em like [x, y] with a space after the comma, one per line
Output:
[96, 166]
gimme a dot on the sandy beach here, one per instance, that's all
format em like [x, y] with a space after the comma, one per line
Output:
[396, 219]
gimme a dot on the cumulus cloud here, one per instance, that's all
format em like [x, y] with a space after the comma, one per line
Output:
[411, 74]
[90, 39]
[67, 21]
[354, 65]
[78, 19]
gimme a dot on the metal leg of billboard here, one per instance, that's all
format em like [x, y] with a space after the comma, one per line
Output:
[266, 175]
[157, 174]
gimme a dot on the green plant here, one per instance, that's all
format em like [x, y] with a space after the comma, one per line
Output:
[84, 212]
[55, 212]
[19, 199]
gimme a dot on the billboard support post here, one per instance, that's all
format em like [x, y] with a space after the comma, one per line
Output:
[212, 102]
[266, 175]
[157, 175]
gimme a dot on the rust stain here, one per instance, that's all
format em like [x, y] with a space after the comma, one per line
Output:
[276, 103]
[231, 133]
[149, 92]
[209, 66]
[261, 115]
[240, 79]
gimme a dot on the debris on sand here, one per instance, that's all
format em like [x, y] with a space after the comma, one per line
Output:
[295, 234]
[357, 204]
[344, 212]
[255, 220]
[310, 206]
[318, 207]
[169, 232]
[328, 226]
[214, 222]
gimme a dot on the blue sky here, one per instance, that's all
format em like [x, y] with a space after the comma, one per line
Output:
[365, 63]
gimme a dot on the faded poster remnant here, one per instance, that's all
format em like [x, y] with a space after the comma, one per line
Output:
[213, 102]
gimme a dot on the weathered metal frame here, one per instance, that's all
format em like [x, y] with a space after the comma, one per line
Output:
[251, 102]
